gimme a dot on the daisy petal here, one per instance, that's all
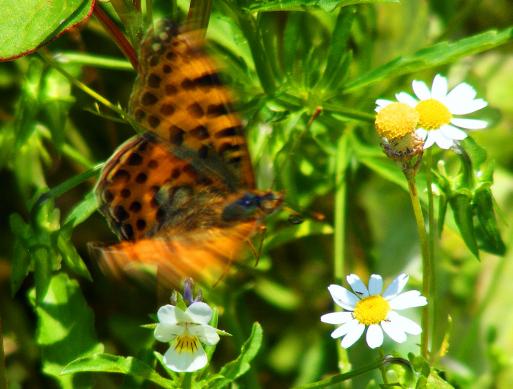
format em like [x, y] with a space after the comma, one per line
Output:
[205, 333]
[357, 285]
[353, 336]
[375, 284]
[396, 286]
[430, 140]
[452, 132]
[185, 361]
[441, 140]
[407, 325]
[343, 297]
[337, 317]
[421, 90]
[471, 124]
[466, 107]
[395, 333]
[461, 92]
[421, 133]
[374, 336]
[439, 87]
[406, 98]
[170, 314]
[381, 103]
[199, 312]
[165, 332]
[409, 299]
[345, 329]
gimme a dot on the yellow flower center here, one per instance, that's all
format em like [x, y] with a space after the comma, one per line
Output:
[433, 114]
[396, 120]
[186, 343]
[371, 310]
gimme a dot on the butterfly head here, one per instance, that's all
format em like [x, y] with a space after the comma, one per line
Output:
[252, 205]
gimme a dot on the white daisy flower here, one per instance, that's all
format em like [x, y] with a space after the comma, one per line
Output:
[186, 331]
[367, 307]
[440, 110]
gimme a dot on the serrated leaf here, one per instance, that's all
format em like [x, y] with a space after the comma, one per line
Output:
[236, 368]
[27, 24]
[65, 329]
[108, 363]
[461, 205]
[436, 55]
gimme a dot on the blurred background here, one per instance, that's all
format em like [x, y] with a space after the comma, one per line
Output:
[287, 290]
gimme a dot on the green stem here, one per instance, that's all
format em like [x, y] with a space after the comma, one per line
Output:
[187, 381]
[382, 367]
[93, 60]
[199, 14]
[340, 228]
[426, 260]
[431, 244]
[3, 379]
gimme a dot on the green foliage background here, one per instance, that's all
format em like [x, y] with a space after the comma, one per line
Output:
[285, 59]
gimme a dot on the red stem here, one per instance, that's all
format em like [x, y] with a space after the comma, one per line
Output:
[119, 38]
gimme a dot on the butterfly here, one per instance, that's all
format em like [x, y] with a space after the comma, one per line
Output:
[182, 195]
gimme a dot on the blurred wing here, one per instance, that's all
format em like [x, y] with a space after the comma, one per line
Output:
[144, 188]
[204, 255]
[179, 96]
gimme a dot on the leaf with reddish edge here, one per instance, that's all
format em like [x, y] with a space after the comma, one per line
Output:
[28, 24]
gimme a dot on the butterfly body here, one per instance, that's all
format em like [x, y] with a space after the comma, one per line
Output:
[182, 196]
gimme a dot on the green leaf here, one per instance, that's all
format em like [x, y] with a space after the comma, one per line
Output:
[20, 266]
[65, 329]
[28, 104]
[487, 232]
[27, 24]
[82, 211]
[295, 232]
[70, 255]
[236, 368]
[302, 5]
[336, 63]
[436, 55]
[461, 204]
[108, 363]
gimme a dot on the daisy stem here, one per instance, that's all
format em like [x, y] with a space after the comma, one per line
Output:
[426, 259]
[340, 228]
[431, 245]
[382, 367]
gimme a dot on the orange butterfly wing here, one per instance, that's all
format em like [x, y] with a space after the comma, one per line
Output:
[164, 193]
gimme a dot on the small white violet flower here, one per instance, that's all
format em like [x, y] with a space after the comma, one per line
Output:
[186, 331]
[439, 110]
[367, 307]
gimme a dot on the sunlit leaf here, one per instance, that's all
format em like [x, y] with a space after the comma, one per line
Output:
[236, 368]
[436, 55]
[302, 5]
[27, 24]
[65, 329]
[108, 363]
